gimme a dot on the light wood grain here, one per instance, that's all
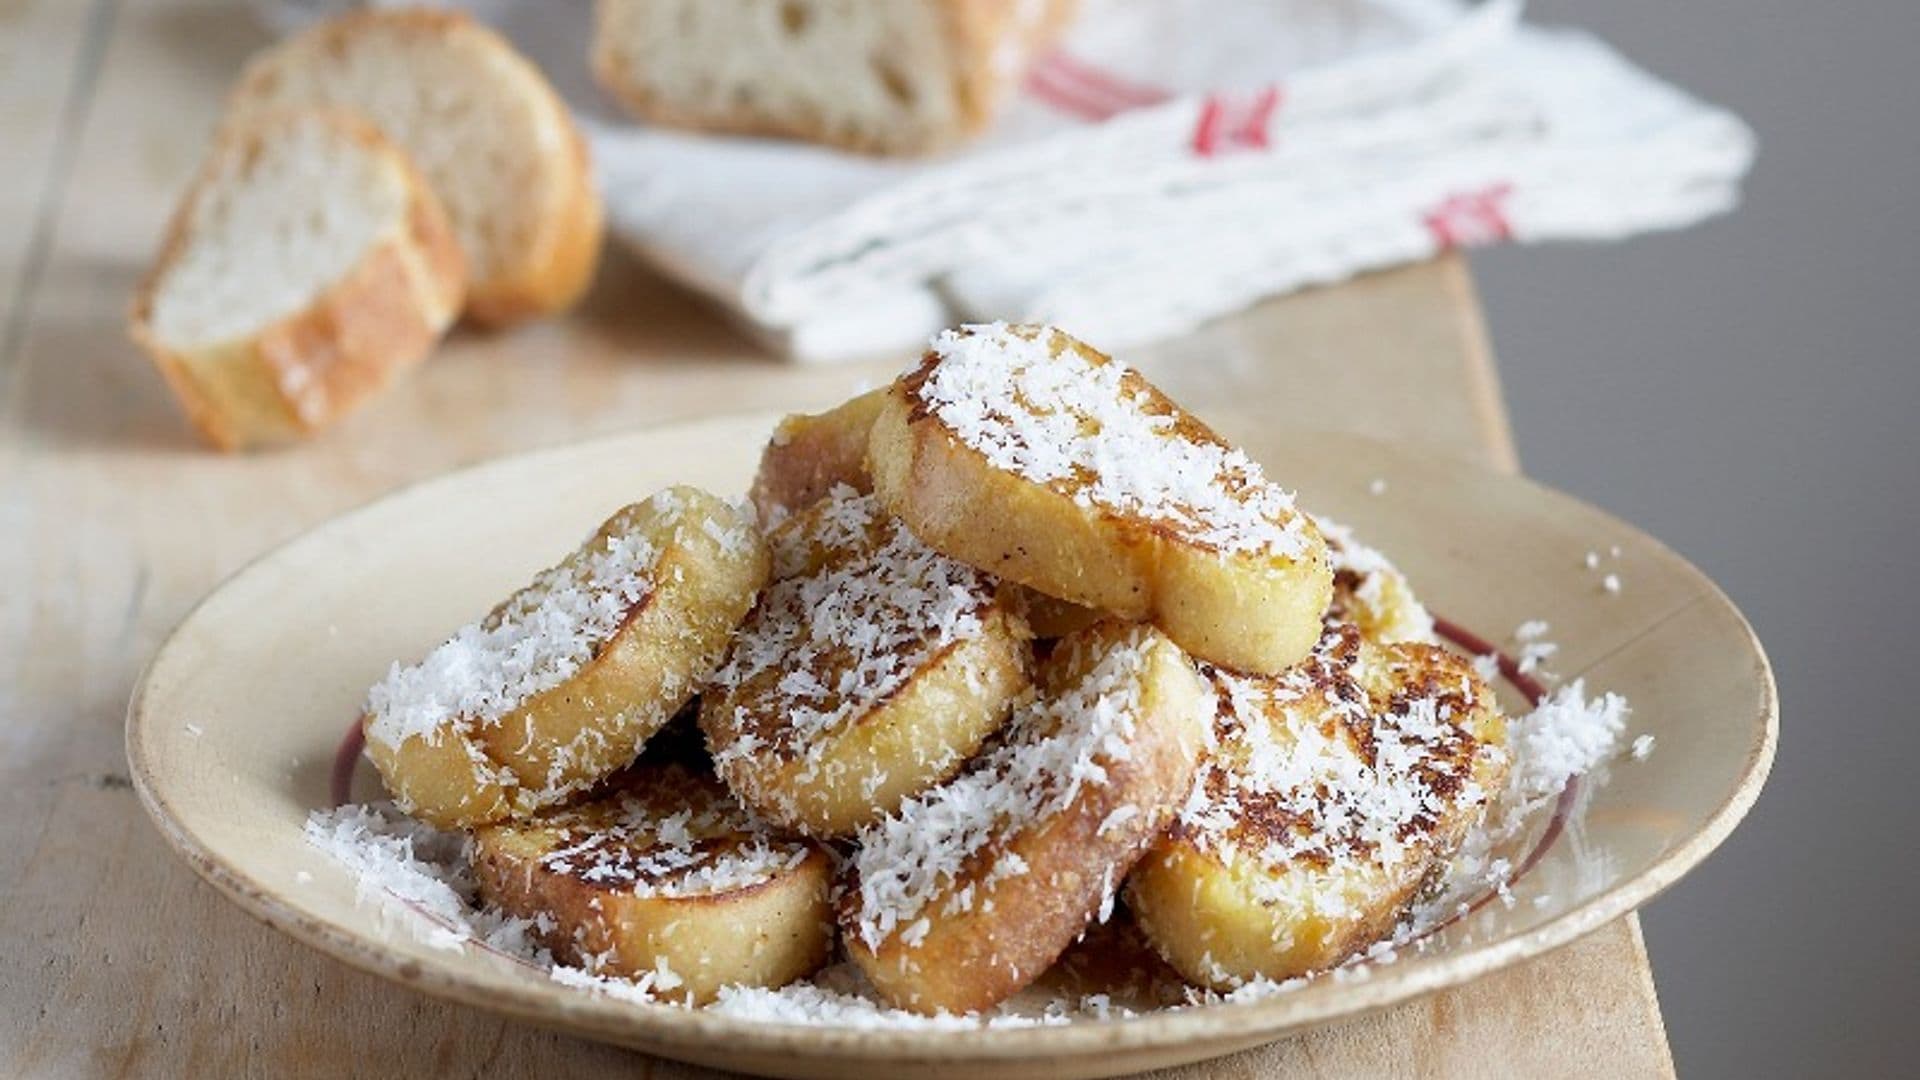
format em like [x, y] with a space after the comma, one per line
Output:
[113, 520]
[48, 57]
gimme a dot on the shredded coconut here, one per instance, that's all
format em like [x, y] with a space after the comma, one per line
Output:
[1532, 650]
[1089, 427]
[671, 835]
[860, 607]
[416, 873]
[841, 997]
[1565, 736]
[1357, 755]
[1054, 746]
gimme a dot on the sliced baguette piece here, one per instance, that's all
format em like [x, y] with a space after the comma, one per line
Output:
[1331, 793]
[307, 266]
[970, 891]
[1027, 453]
[564, 683]
[664, 880]
[484, 126]
[871, 669]
[902, 77]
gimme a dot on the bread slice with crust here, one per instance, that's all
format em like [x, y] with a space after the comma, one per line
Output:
[871, 669]
[481, 122]
[664, 879]
[1027, 453]
[307, 266]
[971, 890]
[902, 77]
[1330, 795]
[561, 685]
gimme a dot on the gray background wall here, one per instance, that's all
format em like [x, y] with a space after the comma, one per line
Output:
[1747, 391]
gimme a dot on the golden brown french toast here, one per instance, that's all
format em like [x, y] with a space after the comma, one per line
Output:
[1025, 452]
[972, 889]
[665, 877]
[871, 669]
[1330, 794]
[563, 683]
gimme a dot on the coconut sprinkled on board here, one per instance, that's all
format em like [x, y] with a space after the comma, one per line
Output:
[1093, 429]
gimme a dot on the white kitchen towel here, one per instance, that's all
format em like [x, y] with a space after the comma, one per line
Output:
[1165, 162]
[1172, 160]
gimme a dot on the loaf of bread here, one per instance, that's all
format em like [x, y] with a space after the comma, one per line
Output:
[901, 77]
[307, 264]
[484, 126]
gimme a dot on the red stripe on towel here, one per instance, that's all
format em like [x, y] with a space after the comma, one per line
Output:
[1228, 124]
[1077, 87]
[1471, 219]
[1111, 86]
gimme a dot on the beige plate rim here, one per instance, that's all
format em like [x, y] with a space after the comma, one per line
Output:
[703, 1034]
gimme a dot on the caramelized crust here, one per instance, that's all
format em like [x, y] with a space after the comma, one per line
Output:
[1333, 791]
[666, 879]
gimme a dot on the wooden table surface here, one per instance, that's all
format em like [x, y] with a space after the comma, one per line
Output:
[114, 520]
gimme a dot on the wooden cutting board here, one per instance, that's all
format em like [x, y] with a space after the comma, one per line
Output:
[114, 520]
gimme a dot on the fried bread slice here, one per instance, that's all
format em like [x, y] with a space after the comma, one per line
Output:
[1330, 794]
[1027, 453]
[563, 683]
[666, 878]
[871, 669]
[971, 890]
[810, 454]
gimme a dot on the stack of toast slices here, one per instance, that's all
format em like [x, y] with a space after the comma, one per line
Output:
[991, 654]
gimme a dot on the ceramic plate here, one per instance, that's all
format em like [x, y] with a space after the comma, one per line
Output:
[232, 731]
